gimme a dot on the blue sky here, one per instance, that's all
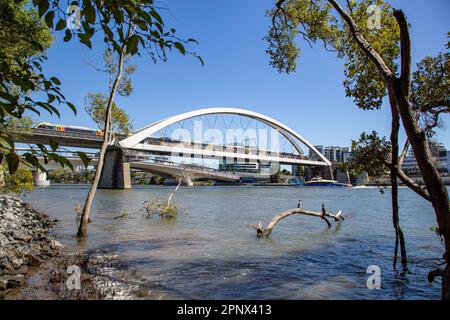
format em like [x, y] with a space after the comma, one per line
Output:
[237, 73]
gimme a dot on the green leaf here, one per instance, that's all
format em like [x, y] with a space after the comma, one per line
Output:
[68, 36]
[85, 39]
[49, 18]
[156, 15]
[32, 109]
[8, 140]
[53, 145]
[108, 32]
[43, 7]
[61, 24]
[12, 160]
[84, 158]
[132, 44]
[118, 14]
[55, 80]
[89, 12]
[142, 24]
[71, 106]
[180, 47]
[201, 60]
[193, 40]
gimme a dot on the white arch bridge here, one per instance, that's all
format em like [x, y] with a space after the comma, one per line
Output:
[232, 136]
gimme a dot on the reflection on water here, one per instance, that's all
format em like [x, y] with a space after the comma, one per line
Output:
[211, 252]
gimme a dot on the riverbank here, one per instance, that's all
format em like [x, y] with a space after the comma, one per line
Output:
[385, 181]
[34, 266]
[23, 240]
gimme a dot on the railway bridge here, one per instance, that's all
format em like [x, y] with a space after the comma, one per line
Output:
[234, 139]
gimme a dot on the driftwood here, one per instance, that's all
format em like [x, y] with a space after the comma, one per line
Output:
[174, 191]
[164, 208]
[260, 231]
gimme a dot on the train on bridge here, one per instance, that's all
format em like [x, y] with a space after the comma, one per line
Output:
[74, 129]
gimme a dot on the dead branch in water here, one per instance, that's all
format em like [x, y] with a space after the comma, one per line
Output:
[260, 231]
[173, 192]
[164, 208]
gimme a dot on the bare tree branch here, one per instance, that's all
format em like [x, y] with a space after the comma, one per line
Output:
[323, 215]
[405, 47]
[362, 42]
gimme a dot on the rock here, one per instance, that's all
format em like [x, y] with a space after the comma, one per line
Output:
[43, 216]
[22, 270]
[142, 293]
[3, 240]
[16, 263]
[6, 266]
[32, 259]
[21, 236]
[3, 283]
[23, 241]
[55, 245]
[15, 281]
[8, 215]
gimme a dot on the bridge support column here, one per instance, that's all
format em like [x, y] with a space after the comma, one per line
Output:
[362, 179]
[187, 181]
[116, 171]
[342, 176]
[40, 179]
[311, 172]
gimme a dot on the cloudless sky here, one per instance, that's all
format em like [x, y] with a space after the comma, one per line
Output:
[237, 72]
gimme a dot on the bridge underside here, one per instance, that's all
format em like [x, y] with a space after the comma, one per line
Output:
[219, 155]
[43, 136]
[180, 172]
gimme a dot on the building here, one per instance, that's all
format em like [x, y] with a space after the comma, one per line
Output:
[334, 153]
[440, 156]
[239, 166]
[448, 161]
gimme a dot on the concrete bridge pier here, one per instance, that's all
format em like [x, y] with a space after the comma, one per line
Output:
[116, 172]
[40, 178]
[324, 172]
[362, 179]
[342, 176]
[187, 181]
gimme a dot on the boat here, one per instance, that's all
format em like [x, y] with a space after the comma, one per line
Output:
[319, 182]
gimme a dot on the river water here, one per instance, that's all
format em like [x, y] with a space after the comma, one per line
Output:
[210, 251]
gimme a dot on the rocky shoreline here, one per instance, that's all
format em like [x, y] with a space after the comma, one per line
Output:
[34, 266]
[24, 242]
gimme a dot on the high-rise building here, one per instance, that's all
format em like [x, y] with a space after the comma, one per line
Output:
[448, 161]
[440, 156]
[334, 153]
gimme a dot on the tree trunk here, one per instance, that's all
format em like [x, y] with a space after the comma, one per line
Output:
[400, 88]
[434, 185]
[399, 238]
[82, 229]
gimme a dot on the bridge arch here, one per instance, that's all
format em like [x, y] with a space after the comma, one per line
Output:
[147, 131]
